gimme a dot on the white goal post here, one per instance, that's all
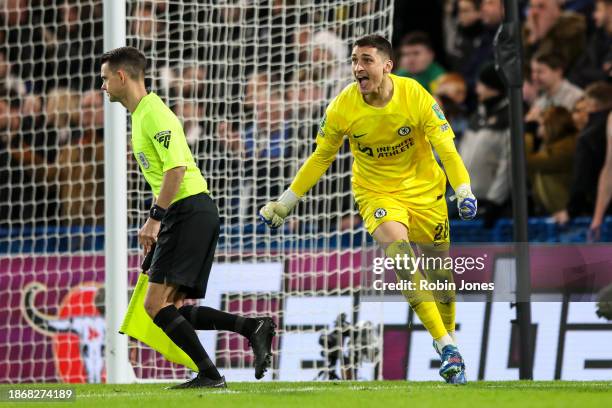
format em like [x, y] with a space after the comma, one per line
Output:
[250, 80]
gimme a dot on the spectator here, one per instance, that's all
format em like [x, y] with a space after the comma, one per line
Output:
[451, 95]
[80, 167]
[323, 53]
[595, 63]
[360, 23]
[491, 15]
[550, 167]
[277, 29]
[264, 146]
[73, 43]
[580, 114]
[191, 112]
[144, 28]
[550, 30]
[306, 96]
[8, 80]
[485, 146]
[530, 93]
[256, 91]
[590, 152]
[24, 38]
[61, 116]
[604, 187]
[189, 82]
[267, 135]
[416, 60]
[329, 53]
[17, 192]
[464, 35]
[77, 169]
[257, 88]
[554, 89]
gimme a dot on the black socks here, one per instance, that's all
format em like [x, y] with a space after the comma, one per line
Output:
[182, 333]
[207, 318]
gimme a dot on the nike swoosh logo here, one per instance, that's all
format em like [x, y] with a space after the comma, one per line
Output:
[358, 136]
[261, 322]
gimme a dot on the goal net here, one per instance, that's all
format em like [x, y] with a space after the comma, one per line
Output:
[250, 81]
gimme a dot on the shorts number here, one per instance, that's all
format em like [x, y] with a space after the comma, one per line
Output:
[441, 231]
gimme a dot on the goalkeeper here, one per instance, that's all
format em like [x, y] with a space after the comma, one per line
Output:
[392, 123]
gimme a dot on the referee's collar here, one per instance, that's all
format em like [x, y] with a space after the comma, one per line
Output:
[143, 102]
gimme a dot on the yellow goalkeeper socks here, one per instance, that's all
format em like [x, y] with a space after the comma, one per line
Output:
[447, 313]
[421, 301]
[430, 317]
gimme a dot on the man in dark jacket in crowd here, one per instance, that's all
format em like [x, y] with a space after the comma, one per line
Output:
[595, 63]
[590, 152]
[549, 29]
[485, 146]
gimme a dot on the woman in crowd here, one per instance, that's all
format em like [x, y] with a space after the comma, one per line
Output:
[550, 166]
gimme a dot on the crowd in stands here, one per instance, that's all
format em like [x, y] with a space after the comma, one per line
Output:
[251, 85]
[567, 49]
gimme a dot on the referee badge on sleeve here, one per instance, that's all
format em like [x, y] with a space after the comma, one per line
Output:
[163, 137]
[143, 160]
[379, 213]
[438, 111]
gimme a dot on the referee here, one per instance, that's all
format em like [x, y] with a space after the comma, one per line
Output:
[183, 224]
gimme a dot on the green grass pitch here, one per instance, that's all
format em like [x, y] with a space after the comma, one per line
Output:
[383, 394]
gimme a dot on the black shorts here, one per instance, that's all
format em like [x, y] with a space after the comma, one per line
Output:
[186, 245]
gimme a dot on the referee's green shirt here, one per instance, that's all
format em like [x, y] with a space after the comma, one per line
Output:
[159, 144]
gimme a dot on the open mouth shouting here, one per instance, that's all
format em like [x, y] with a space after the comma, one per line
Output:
[363, 81]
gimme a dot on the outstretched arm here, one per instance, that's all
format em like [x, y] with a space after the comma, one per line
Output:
[329, 140]
[441, 136]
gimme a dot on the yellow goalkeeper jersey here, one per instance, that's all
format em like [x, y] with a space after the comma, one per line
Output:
[392, 145]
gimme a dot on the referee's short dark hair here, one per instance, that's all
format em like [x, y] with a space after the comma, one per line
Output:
[128, 58]
[377, 41]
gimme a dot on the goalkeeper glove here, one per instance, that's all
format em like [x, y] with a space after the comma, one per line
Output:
[275, 212]
[466, 202]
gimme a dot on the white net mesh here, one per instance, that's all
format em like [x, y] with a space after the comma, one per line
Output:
[250, 80]
[51, 191]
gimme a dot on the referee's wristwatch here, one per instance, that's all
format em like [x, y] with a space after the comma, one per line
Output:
[157, 213]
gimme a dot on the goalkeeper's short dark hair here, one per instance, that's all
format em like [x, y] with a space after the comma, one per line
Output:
[128, 58]
[377, 41]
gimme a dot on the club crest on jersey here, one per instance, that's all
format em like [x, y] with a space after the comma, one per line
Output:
[403, 131]
[163, 138]
[436, 108]
[379, 213]
[143, 160]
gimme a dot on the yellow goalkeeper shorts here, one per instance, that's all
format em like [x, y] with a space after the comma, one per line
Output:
[425, 225]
